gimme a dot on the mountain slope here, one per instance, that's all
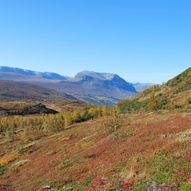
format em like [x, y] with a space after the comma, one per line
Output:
[96, 88]
[17, 96]
[134, 152]
[11, 90]
[21, 74]
[91, 87]
[105, 80]
[174, 94]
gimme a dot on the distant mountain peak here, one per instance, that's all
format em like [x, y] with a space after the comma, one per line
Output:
[95, 75]
[30, 73]
[104, 80]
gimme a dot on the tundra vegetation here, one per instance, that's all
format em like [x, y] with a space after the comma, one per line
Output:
[33, 127]
[142, 144]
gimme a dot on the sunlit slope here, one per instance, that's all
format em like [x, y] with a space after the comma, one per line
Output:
[175, 94]
[130, 152]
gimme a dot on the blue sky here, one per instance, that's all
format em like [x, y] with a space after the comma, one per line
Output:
[141, 40]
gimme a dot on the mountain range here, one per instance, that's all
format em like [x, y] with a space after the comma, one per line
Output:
[19, 74]
[87, 86]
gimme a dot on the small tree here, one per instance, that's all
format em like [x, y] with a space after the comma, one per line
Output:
[68, 119]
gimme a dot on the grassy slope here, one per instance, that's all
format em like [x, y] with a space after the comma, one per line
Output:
[104, 154]
[180, 88]
[176, 93]
[177, 90]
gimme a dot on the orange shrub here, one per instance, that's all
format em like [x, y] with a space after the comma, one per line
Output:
[8, 158]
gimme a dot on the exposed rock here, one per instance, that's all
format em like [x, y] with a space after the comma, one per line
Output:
[35, 109]
[161, 187]
[48, 188]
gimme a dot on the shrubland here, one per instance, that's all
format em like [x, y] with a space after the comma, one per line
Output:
[142, 144]
[35, 126]
[173, 95]
[138, 151]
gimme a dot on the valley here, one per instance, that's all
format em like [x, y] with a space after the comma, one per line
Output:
[140, 144]
[90, 87]
[95, 95]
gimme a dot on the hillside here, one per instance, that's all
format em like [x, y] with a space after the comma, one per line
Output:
[175, 94]
[16, 96]
[11, 90]
[27, 109]
[135, 152]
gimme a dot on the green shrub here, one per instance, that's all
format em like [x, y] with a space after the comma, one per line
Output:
[113, 125]
[24, 148]
[124, 134]
[185, 187]
[79, 186]
[2, 170]
[142, 186]
[131, 105]
[18, 164]
[162, 168]
[67, 163]
[189, 101]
